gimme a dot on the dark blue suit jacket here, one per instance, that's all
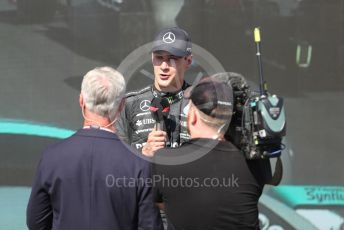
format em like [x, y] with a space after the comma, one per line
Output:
[92, 181]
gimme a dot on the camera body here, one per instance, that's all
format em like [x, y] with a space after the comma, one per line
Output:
[258, 123]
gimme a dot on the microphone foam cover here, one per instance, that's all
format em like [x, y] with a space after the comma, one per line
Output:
[159, 108]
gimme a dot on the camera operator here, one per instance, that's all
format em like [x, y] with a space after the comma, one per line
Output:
[230, 200]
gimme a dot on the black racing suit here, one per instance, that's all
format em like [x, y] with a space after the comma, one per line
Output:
[136, 122]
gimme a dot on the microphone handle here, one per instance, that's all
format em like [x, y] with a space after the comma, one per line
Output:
[157, 126]
[160, 125]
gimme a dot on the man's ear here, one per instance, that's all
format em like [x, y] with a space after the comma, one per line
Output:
[121, 105]
[81, 101]
[188, 60]
[193, 115]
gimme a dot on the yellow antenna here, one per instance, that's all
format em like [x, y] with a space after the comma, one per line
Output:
[263, 87]
[256, 34]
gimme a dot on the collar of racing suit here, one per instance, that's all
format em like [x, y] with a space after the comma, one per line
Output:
[172, 97]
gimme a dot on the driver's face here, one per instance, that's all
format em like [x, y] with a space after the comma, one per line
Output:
[169, 70]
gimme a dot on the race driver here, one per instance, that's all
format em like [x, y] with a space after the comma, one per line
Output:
[171, 57]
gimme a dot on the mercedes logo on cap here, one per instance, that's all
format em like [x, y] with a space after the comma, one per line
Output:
[169, 37]
[144, 105]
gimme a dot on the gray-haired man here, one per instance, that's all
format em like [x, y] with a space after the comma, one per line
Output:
[86, 181]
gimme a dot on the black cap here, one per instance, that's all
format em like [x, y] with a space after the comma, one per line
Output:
[212, 97]
[174, 40]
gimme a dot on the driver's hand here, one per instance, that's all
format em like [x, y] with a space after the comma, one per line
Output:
[156, 140]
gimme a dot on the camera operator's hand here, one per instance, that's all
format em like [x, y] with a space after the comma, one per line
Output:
[156, 140]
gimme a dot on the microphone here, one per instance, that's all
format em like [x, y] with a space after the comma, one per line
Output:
[160, 108]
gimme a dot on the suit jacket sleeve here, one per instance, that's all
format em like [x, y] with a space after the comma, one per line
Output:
[148, 213]
[39, 213]
[156, 185]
